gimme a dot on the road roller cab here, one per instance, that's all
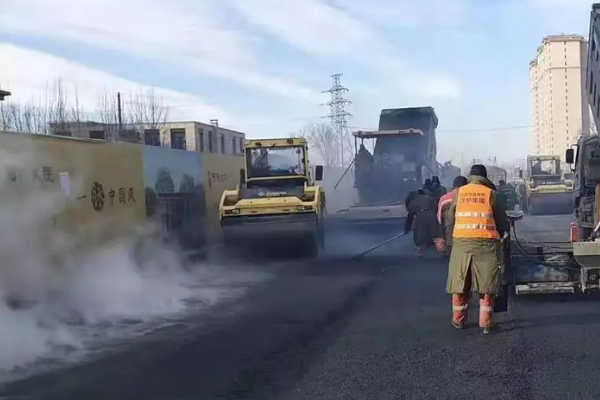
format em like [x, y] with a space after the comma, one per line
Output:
[276, 200]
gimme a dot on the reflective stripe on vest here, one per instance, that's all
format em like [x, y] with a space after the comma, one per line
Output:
[474, 217]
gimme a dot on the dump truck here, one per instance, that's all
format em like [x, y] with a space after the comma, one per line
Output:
[545, 189]
[277, 202]
[584, 190]
[404, 152]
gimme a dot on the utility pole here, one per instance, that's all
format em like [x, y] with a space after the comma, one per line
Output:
[338, 114]
[215, 139]
[119, 111]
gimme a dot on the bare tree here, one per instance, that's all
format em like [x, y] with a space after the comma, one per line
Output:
[59, 111]
[323, 140]
[108, 113]
[147, 112]
[27, 117]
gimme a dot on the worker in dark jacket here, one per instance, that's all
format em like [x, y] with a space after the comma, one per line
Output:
[423, 210]
[438, 189]
[428, 186]
[410, 218]
[509, 194]
[478, 223]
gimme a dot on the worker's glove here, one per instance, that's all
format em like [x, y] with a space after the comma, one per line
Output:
[440, 244]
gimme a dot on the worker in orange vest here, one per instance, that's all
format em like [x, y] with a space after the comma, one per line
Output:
[477, 219]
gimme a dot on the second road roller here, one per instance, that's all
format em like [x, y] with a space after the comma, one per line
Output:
[545, 190]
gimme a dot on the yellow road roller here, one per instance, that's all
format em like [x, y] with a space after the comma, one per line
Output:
[546, 190]
[276, 205]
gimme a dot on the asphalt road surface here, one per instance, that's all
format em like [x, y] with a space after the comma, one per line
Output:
[340, 329]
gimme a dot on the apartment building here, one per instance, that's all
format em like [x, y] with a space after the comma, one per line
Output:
[188, 135]
[560, 109]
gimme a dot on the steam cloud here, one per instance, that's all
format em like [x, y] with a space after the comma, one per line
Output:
[57, 296]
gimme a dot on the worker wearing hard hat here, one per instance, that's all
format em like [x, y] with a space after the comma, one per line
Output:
[477, 221]
[442, 213]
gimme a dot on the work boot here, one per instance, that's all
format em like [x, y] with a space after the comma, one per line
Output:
[457, 325]
[488, 330]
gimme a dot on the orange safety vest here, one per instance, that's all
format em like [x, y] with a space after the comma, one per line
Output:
[474, 216]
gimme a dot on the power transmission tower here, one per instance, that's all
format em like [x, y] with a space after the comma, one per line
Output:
[338, 115]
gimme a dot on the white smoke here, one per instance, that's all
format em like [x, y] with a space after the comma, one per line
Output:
[57, 291]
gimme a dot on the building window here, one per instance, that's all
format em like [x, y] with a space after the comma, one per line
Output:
[178, 139]
[241, 145]
[223, 144]
[152, 137]
[234, 145]
[97, 134]
[211, 141]
[201, 140]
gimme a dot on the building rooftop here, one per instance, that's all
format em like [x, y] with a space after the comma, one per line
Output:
[563, 38]
[3, 94]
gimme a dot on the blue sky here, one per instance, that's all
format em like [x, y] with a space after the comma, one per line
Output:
[259, 65]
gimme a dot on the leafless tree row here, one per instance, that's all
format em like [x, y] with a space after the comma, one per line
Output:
[332, 149]
[60, 111]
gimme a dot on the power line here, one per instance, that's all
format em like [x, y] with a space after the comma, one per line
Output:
[338, 114]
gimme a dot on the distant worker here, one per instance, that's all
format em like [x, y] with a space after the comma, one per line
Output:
[422, 211]
[508, 193]
[478, 222]
[443, 208]
[363, 164]
[411, 196]
[438, 189]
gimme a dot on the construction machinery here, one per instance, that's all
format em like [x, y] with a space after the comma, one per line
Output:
[447, 173]
[574, 266]
[584, 188]
[545, 189]
[276, 200]
[495, 173]
[404, 152]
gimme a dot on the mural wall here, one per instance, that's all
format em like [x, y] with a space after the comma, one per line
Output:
[175, 194]
[222, 172]
[100, 189]
[91, 188]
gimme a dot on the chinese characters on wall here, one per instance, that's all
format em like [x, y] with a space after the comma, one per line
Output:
[216, 177]
[102, 197]
[43, 176]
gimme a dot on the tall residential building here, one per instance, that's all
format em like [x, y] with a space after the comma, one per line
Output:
[559, 106]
